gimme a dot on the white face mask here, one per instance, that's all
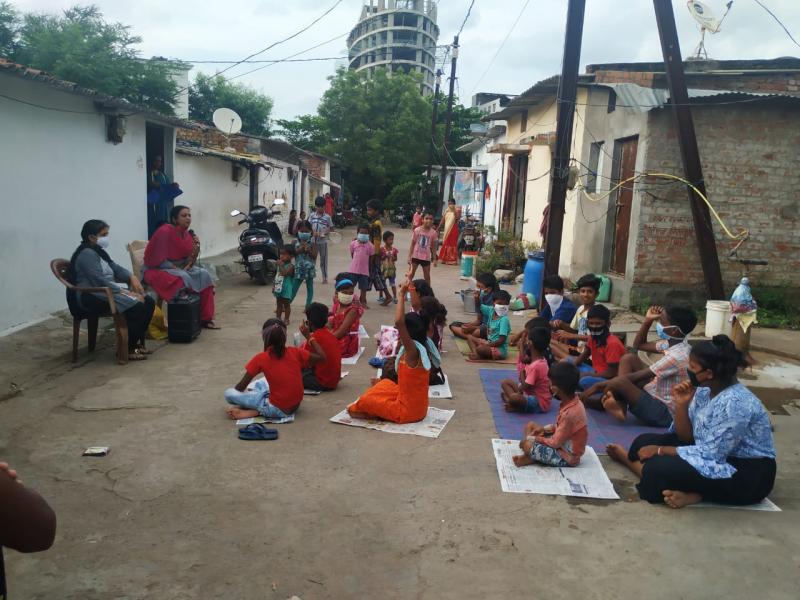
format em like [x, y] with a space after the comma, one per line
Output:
[553, 301]
[345, 299]
[103, 242]
[501, 310]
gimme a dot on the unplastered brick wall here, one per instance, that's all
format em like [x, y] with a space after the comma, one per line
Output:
[749, 156]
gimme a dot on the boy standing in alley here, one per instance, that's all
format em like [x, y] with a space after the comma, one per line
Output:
[321, 226]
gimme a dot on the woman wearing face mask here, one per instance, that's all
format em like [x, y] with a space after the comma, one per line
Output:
[345, 318]
[305, 260]
[91, 266]
[720, 447]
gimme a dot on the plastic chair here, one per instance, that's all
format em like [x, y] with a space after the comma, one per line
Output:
[60, 267]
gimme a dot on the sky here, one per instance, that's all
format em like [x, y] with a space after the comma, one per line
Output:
[614, 31]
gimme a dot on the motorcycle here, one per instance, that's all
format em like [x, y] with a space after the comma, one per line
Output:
[401, 218]
[260, 243]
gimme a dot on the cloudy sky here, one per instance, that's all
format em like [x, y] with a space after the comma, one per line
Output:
[614, 31]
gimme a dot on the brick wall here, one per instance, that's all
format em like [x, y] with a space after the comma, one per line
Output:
[749, 156]
[779, 82]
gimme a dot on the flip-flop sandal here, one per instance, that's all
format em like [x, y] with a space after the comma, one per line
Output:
[257, 431]
[377, 362]
[136, 356]
[211, 325]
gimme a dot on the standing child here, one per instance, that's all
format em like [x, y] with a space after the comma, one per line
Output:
[389, 266]
[532, 394]
[305, 262]
[495, 347]
[566, 335]
[562, 444]
[284, 284]
[416, 220]
[423, 248]
[407, 400]
[321, 225]
[282, 368]
[291, 227]
[361, 252]
[374, 212]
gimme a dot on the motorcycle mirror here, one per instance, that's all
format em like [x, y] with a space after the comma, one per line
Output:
[278, 201]
[235, 212]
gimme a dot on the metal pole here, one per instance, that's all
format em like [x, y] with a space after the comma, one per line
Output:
[690, 155]
[567, 93]
[433, 124]
[448, 123]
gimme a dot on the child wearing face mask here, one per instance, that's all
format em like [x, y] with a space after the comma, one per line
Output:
[562, 444]
[345, 318]
[486, 286]
[361, 253]
[532, 393]
[495, 347]
[570, 338]
[305, 260]
[557, 309]
[605, 350]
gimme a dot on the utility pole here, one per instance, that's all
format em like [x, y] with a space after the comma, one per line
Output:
[567, 94]
[448, 123]
[433, 125]
[690, 155]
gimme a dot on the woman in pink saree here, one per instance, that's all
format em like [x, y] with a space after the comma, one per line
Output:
[169, 264]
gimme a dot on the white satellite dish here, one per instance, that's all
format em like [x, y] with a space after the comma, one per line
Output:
[705, 17]
[228, 122]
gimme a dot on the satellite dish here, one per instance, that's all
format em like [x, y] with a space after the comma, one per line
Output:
[227, 121]
[705, 17]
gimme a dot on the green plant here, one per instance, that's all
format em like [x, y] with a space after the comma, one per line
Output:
[777, 306]
[506, 252]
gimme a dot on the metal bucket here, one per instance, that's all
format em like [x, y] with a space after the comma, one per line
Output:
[468, 298]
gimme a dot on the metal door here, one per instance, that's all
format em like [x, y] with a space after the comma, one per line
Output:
[624, 167]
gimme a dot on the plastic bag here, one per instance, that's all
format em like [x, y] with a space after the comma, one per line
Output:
[157, 330]
[742, 299]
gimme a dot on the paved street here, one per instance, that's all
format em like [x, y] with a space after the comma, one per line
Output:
[182, 509]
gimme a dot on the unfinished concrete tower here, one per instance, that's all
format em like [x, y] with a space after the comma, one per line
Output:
[398, 35]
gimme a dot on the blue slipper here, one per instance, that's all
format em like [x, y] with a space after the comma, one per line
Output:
[376, 362]
[257, 431]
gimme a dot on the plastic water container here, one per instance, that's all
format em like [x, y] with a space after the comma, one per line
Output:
[468, 263]
[604, 295]
[532, 280]
[718, 318]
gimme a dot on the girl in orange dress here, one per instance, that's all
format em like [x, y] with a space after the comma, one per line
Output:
[407, 400]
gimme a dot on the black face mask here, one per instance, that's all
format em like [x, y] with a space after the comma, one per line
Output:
[598, 331]
[693, 378]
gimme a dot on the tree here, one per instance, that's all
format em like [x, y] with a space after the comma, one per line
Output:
[377, 126]
[306, 131]
[211, 92]
[80, 46]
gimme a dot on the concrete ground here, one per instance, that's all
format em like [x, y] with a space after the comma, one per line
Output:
[182, 509]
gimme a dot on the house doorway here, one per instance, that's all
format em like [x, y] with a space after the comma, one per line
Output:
[514, 206]
[154, 147]
[624, 168]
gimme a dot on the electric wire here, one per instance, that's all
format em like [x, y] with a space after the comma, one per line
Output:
[255, 62]
[466, 17]
[51, 108]
[774, 16]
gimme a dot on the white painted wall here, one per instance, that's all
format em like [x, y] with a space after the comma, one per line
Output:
[58, 171]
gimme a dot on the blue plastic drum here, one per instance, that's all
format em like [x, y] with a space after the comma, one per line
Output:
[534, 268]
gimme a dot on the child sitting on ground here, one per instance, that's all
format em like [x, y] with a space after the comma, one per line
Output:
[570, 338]
[407, 400]
[606, 351]
[345, 318]
[557, 309]
[361, 251]
[562, 444]
[495, 347]
[324, 376]
[519, 339]
[282, 366]
[486, 286]
[305, 260]
[389, 266]
[532, 394]
[283, 287]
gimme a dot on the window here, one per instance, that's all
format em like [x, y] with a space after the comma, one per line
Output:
[594, 178]
[523, 124]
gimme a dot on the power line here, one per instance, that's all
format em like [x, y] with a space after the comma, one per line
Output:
[255, 62]
[61, 110]
[286, 39]
[774, 16]
[466, 18]
[500, 47]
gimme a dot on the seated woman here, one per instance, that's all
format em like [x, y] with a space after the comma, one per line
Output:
[407, 400]
[169, 264]
[345, 318]
[91, 266]
[720, 448]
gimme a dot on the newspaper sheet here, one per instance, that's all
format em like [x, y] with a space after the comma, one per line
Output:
[431, 426]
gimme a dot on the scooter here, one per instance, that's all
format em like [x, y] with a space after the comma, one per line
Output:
[260, 243]
[401, 218]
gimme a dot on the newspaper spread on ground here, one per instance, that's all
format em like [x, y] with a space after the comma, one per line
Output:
[440, 391]
[766, 505]
[587, 480]
[431, 426]
[353, 359]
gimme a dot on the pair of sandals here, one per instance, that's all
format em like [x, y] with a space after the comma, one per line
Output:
[256, 432]
[139, 353]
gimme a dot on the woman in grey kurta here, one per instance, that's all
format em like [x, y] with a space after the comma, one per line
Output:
[91, 266]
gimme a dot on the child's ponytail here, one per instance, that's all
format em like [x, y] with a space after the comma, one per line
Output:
[273, 333]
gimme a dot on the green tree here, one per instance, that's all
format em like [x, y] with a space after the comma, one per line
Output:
[211, 92]
[378, 127]
[306, 131]
[80, 46]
